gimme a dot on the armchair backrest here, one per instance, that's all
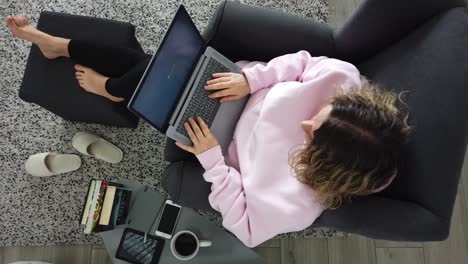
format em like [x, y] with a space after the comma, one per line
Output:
[418, 46]
[377, 24]
[431, 64]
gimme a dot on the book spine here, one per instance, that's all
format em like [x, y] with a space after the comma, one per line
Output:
[104, 209]
[123, 207]
[107, 206]
[85, 213]
[89, 222]
[97, 212]
[116, 207]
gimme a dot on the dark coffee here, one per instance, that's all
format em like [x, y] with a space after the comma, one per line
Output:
[185, 244]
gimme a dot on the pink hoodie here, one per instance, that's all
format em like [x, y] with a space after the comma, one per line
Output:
[253, 187]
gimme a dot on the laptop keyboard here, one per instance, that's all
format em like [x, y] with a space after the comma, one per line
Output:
[200, 104]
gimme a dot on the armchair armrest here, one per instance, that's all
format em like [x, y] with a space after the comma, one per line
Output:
[243, 32]
[382, 218]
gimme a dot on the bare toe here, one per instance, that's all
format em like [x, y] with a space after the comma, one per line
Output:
[20, 20]
[9, 20]
[21, 28]
[11, 25]
[80, 68]
[117, 99]
[51, 47]
[94, 82]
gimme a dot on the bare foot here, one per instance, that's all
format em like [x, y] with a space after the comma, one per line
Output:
[50, 46]
[94, 82]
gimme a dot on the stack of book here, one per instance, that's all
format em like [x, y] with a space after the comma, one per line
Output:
[106, 206]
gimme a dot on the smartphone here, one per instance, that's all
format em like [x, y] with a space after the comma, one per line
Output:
[168, 220]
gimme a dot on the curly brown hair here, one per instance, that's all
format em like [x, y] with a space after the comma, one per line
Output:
[355, 151]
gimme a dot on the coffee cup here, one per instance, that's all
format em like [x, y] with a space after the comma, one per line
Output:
[185, 245]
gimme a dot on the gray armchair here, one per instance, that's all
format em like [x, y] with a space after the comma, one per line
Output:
[420, 46]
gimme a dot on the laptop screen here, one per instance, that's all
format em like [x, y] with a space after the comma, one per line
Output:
[171, 67]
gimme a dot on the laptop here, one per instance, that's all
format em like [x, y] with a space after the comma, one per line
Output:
[172, 87]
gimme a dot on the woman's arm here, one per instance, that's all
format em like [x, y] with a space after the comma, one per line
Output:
[228, 197]
[227, 191]
[233, 86]
[287, 68]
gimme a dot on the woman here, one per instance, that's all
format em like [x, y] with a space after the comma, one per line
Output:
[313, 134]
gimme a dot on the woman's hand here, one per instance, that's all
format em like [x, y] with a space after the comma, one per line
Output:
[233, 86]
[200, 135]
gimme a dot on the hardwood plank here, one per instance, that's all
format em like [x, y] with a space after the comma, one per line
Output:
[351, 249]
[272, 255]
[100, 256]
[397, 244]
[271, 243]
[12, 254]
[304, 250]
[97, 246]
[340, 11]
[80, 254]
[400, 255]
[454, 250]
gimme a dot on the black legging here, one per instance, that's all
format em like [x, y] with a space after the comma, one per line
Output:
[123, 66]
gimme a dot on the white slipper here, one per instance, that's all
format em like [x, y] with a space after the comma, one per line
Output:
[48, 164]
[97, 147]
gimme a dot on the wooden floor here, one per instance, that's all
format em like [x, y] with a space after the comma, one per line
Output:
[350, 250]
